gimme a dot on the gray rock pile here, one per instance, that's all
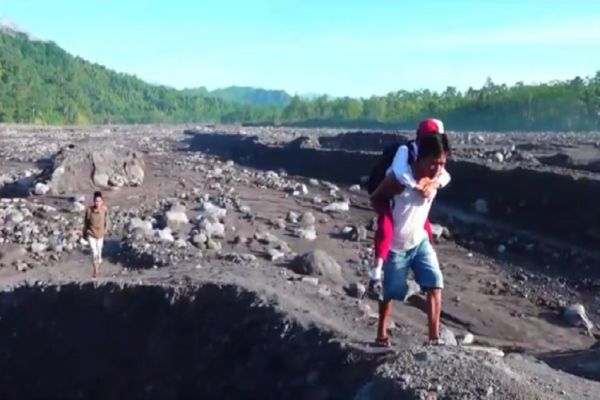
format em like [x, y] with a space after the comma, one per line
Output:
[40, 232]
[77, 168]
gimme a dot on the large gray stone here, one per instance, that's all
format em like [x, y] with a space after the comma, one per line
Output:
[318, 263]
[107, 166]
[176, 216]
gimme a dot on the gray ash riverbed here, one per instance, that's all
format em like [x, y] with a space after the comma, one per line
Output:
[198, 296]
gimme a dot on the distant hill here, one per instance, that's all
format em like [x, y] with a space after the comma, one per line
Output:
[42, 83]
[246, 95]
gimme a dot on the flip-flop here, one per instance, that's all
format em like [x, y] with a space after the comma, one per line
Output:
[383, 342]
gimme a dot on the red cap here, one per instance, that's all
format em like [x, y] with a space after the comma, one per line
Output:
[430, 126]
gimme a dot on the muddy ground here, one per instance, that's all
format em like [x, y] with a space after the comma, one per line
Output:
[169, 318]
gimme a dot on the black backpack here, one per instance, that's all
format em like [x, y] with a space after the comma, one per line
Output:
[384, 162]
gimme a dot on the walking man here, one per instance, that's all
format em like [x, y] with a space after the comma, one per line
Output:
[410, 247]
[95, 226]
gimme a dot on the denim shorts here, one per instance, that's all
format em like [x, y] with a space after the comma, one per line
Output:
[422, 259]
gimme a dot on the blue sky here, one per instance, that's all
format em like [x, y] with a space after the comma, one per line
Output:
[339, 47]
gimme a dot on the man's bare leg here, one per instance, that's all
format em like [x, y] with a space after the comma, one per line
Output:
[385, 309]
[96, 270]
[434, 311]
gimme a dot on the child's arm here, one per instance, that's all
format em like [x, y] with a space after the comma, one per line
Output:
[401, 169]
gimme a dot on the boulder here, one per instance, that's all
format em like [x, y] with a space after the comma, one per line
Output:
[75, 167]
[337, 206]
[40, 189]
[317, 263]
[176, 216]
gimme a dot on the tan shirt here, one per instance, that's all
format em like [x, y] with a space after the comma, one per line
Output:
[96, 222]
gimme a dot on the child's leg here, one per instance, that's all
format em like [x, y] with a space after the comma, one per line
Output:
[428, 230]
[383, 235]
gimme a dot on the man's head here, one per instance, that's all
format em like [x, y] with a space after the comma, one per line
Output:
[429, 126]
[98, 199]
[433, 153]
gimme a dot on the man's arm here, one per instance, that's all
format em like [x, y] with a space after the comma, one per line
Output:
[85, 222]
[387, 189]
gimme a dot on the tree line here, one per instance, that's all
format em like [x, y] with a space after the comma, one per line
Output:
[42, 83]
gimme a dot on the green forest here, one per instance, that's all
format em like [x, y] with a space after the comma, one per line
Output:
[42, 83]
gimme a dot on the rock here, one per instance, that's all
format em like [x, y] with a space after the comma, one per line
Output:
[73, 164]
[212, 229]
[38, 247]
[165, 235]
[355, 233]
[412, 289]
[357, 290]
[138, 223]
[209, 210]
[499, 157]
[116, 180]
[361, 232]
[275, 254]
[245, 210]
[239, 239]
[313, 182]
[337, 206]
[79, 198]
[292, 217]
[176, 216]
[324, 291]
[41, 189]
[303, 189]
[317, 263]
[100, 179]
[200, 239]
[467, 339]
[214, 245]
[21, 266]
[308, 219]
[310, 280]
[14, 217]
[240, 258]
[278, 223]
[307, 233]
[440, 231]
[180, 244]
[481, 206]
[77, 208]
[447, 336]
[575, 315]
[266, 238]
[317, 200]
[354, 188]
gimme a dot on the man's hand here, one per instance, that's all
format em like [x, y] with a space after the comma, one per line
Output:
[427, 187]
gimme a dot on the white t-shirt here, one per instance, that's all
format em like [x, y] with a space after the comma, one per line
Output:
[409, 213]
[410, 208]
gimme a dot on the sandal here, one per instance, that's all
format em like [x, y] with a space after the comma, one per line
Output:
[435, 342]
[383, 342]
